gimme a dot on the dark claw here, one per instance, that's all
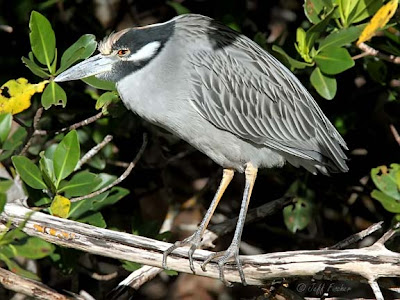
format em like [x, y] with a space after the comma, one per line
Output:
[223, 258]
[193, 240]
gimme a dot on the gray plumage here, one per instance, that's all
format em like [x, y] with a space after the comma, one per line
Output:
[222, 93]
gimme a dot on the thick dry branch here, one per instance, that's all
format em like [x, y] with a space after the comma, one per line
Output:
[28, 287]
[370, 263]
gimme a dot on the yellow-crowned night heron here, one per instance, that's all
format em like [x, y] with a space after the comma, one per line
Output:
[223, 94]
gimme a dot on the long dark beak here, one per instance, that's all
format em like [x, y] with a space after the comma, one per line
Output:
[93, 66]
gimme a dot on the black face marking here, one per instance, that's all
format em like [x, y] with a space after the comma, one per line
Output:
[134, 40]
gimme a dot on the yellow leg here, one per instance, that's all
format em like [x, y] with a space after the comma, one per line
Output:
[233, 250]
[195, 239]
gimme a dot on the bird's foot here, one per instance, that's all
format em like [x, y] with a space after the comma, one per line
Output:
[221, 258]
[194, 241]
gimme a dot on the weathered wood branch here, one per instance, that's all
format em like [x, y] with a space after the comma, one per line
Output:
[369, 263]
[28, 287]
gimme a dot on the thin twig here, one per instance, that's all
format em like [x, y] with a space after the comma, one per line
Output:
[36, 120]
[28, 287]
[81, 123]
[92, 152]
[6, 28]
[389, 234]
[356, 237]
[373, 52]
[395, 133]
[119, 179]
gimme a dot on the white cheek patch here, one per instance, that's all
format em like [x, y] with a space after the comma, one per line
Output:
[146, 52]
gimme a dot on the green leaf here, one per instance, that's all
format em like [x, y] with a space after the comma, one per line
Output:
[292, 62]
[171, 272]
[35, 69]
[179, 8]
[345, 8]
[316, 30]
[15, 268]
[99, 84]
[325, 85]
[105, 99]
[81, 184]
[95, 219]
[301, 45]
[80, 208]
[334, 60]
[81, 49]
[5, 185]
[66, 156]
[43, 40]
[388, 202]
[363, 9]
[297, 216]
[130, 265]
[29, 172]
[53, 94]
[12, 143]
[5, 126]
[312, 9]
[33, 248]
[377, 70]
[60, 206]
[47, 169]
[116, 194]
[3, 201]
[341, 37]
[387, 180]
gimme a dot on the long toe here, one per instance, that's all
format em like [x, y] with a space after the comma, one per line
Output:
[221, 258]
[194, 241]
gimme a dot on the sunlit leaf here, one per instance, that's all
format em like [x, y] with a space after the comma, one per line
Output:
[378, 21]
[42, 37]
[29, 172]
[53, 95]
[3, 201]
[312, 9]
[363, 10]
[325, 85]
[60, 206]
[105, 99]
[388, 202]
[15, 268]
[386, 179]
[66, 156]
[15, 95]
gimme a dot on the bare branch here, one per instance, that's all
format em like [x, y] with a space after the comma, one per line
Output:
[119, 179]
[81, 123]
[368, 50]
[92, 152]
[36, 119]
[388, 235]
[395, 133]
[376, 289]
[370, 262]
[28, 287]
[356, 237]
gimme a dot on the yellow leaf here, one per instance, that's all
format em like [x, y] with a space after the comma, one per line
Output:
[378, 21]
[60, 206]
[15, 95]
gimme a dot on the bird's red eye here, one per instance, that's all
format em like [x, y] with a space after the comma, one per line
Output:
[122, 52]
